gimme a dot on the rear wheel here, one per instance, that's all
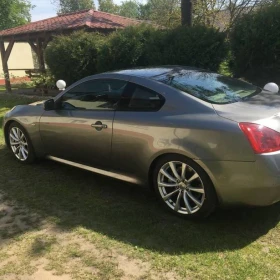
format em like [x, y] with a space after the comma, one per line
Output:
[20, 143]
[183, 187]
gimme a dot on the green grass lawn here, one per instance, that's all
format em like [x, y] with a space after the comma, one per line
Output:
[67, 221]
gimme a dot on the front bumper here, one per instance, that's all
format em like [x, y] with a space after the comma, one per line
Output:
[249, 183]
[3, 126]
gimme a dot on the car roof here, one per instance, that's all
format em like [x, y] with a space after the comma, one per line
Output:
[152, 72]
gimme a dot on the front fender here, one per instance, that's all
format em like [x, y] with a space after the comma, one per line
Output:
[27, 116]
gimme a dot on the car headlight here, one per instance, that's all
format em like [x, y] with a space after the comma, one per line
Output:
[12, 109]
[8, 113]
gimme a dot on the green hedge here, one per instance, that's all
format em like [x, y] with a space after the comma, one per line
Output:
[145, 46]
[125, 48]
[255, 44]
[75, 56]
[82, 54]
[198, 46]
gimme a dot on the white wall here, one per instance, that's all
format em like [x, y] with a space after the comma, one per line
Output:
[20, 58]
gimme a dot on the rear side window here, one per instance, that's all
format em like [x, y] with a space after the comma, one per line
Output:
[139, 98]
[210, 87]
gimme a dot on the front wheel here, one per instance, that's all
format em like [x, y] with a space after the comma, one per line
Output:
[20, 143]
[183, 187]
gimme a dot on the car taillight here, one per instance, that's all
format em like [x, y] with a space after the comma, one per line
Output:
[261, 138]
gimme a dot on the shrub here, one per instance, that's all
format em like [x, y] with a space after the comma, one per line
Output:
[45, 80]
[255, 45]
[82, 54]
[197, 46]
[75, 56]
[144, 45]
[125, 48]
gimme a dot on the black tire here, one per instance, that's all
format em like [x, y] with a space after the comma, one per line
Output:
[208, 199]
[30, 156]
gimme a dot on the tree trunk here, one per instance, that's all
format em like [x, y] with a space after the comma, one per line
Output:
[186, 10]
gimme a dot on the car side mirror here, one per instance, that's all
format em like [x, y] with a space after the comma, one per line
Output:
[49, 105]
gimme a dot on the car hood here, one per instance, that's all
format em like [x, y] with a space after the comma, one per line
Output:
[38, 103]
[263, 108]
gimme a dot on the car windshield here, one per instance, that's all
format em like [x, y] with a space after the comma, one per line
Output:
[210, 87]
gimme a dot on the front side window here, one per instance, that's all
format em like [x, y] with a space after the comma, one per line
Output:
[210, 87]
[101, 94]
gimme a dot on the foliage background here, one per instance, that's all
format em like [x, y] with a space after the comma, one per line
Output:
[74, 57]
[249, 47]
[68, 6]
[255, 45]
[14, 13]
[82, 54]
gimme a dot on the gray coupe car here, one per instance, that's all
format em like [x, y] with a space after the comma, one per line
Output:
[199, 139]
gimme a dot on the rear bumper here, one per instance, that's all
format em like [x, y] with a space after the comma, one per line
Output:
[248, 183]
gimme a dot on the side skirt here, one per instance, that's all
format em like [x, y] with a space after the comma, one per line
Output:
[97, 170]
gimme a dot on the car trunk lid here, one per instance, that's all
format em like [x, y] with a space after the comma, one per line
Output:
[263, 108]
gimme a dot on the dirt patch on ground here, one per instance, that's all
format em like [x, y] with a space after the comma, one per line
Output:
[32, 248]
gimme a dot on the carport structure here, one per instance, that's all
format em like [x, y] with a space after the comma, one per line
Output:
[38, 34]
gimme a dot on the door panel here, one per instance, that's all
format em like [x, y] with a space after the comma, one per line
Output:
[80, 129]
[69, 134]
[138, 131]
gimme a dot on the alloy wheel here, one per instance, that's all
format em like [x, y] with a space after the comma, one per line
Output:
[18, 143]
[181, 187]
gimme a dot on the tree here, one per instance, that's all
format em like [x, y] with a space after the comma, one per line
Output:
[108, 6]
[145, 11]
[14, 13]
[129, 9]
[68, 6]
[224, 13]
[255, 45]
[164, 12]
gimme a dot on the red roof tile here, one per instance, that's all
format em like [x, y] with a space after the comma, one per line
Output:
[86, 18]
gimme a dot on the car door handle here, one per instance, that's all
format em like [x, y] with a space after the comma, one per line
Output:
[99, 125]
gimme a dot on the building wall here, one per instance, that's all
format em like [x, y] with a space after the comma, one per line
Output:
[20, 58]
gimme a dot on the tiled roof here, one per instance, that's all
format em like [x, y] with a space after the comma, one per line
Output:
[86, 18]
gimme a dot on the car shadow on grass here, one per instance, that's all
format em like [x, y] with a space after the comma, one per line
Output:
[126, 212]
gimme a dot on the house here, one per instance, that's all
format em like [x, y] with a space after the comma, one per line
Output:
[38, 34]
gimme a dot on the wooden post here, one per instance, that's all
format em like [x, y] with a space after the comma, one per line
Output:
[41, 55]
[39, 50]
[186, 10]
[5, 54]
